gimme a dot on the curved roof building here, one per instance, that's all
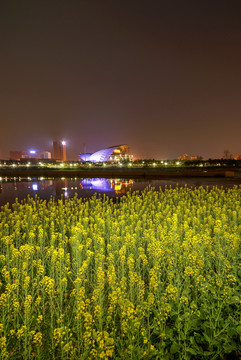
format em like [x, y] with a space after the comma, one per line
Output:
[103, 155]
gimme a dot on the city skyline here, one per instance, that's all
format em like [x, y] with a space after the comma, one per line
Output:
[59, 149]
[164, 77]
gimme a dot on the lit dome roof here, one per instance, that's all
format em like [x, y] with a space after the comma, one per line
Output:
[103, 154]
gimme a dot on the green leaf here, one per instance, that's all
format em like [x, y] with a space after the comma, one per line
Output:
[235, 300]
[207, 338]
[239, 329]
[228, 348]
[207, 353]
[192, 340]
[169, 331]
[232, 331]
[239, 273]
[174, 348]
[192, 351]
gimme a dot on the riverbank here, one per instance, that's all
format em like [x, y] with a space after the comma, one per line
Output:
[113, 172]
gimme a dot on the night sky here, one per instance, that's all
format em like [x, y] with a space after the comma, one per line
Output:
[161, 76]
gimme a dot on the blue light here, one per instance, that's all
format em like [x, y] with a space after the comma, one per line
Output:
[96, 184]
[35, 187]
[32, 151]
[98, 156]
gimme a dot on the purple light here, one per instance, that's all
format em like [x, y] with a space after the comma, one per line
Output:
[96, 184]
[32, 152]
[98, 156]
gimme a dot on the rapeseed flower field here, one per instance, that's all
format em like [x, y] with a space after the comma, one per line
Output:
[154, 275]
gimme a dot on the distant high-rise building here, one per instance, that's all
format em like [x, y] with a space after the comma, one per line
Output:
[45, 155]
[18, 155]
[59, 150]
[15, 155]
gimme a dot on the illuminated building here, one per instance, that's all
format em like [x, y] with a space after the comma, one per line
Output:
[31, 154]
[185, 157]
[45, 155]
[237, 157]
[59, 150]
[16, 155]
[115, 153]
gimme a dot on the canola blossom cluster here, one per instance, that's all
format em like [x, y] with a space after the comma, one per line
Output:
[152, 275]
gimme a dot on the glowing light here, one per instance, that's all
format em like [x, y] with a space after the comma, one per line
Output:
[99, 156]
[63, 142]
[35, 187]
[13, 165]
[177, 163]
[165, 163]
[99, 184]
[154, 164]
[32, 152]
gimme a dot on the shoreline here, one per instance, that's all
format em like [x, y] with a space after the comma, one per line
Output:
[133, 173]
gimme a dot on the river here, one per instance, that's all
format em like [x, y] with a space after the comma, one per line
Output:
[12, 188]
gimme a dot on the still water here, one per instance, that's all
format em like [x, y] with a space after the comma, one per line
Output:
[12, 188]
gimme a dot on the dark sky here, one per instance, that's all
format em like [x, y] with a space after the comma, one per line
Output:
[161, 76]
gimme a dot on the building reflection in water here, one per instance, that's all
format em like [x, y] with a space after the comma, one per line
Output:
[121, 186]
[35, 187]
[116, 186]
[61, 187]
[10, 188]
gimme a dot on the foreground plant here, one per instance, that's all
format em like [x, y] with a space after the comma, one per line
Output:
[153, 276]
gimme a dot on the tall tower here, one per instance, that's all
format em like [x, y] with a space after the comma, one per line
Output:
[59, 150]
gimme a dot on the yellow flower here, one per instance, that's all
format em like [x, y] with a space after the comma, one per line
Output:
[37, 339]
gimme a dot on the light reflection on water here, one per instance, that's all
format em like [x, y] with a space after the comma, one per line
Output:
[10, 188]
